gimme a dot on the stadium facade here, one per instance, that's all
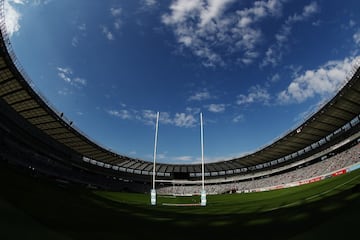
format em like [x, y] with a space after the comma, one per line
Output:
[36, 137]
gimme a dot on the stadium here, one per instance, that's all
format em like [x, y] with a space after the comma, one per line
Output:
[57, 183]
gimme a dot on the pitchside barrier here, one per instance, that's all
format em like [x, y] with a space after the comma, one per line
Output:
[310, 180]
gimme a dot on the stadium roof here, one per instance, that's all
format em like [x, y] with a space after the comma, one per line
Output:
[16, 90]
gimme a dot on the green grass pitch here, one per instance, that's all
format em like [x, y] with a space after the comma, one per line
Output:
[32, 208]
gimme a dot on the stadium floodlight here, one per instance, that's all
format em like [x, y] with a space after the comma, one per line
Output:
[203, 192]
[153, 191]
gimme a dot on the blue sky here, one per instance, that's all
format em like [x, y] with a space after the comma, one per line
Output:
[256, 69]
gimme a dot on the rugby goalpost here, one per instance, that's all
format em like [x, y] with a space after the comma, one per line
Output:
[203, 200]
[153, 190]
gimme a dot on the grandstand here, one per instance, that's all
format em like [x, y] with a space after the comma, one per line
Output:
[35, 136]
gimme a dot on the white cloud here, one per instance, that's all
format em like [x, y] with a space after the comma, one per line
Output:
[81, 28]
[256, 94]
[212, 10]
[180, 9]
[212, 33]
[117, 24]
[196, 159]
[193, 110]
[184, 120]
[115, 11]
[17, 1]
[80, 81]
[303, 116]
[150, 3]
[109, 31]
[75, 41]
[216, 108]
[64, 91]
[109, 35]
[149, 114]
[162, 155]
[200, 96]
[274, 53]
[123, 114]
[356, 37]
[12, 16]
[148, 117]
[352, 23]
[41, 2]
[324, 81]
[310, 9]
[183, 158]
[259, 10]
[66, 74]
[275, 78]
[238, 118]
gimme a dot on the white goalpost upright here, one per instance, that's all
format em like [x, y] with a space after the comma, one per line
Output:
[153, 191]
[203, 192]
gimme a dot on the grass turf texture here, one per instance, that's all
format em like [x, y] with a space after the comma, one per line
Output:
[34, 208]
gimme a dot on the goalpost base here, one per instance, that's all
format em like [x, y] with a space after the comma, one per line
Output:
[153, 197]
[203, 198]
